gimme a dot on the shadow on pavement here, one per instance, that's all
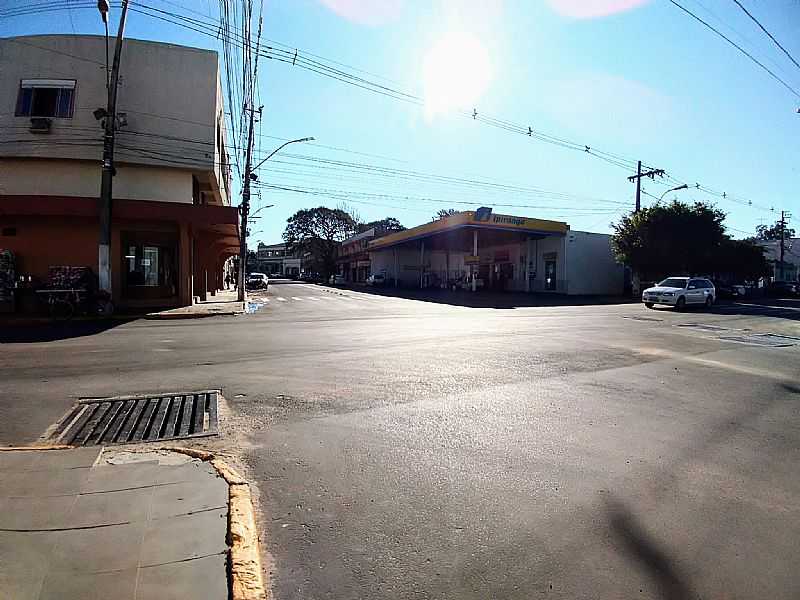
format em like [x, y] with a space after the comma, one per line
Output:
[486, 299]
[655, 559]
[760, 307]
[59, 330]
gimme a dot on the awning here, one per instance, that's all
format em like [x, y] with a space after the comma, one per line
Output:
[473, 220]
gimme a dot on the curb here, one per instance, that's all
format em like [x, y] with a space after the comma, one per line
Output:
[182, 316]
[246, 574]
[247, 581]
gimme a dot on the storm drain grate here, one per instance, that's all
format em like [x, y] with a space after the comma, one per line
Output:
[131, 419]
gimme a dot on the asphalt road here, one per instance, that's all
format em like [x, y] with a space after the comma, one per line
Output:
[412, 449]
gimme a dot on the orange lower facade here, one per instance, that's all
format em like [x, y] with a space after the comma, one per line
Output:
[163, 254]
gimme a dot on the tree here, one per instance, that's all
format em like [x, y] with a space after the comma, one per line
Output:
[319, 231]
[740, 260]
[669, 239]
[766, 232]
[443, 213]
[382, 226]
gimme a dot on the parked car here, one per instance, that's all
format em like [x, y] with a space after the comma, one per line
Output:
[257, 281]
[337, 280]
[782, 289]
[681, 292]
[376, 279]
[725, 290]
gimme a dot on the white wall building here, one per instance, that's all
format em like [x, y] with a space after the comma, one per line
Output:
[484, 251]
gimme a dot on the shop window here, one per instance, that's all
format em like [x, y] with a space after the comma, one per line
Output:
[53, 98]
[145, 266]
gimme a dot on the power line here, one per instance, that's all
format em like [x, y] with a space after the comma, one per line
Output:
[318, 67]
[777, 43]
[738, 47]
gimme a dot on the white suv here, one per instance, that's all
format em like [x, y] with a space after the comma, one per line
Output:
[680, 292]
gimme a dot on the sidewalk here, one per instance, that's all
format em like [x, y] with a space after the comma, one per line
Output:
[224, 303]
[88, 523]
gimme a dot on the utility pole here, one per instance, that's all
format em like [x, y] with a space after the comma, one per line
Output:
[245, 208]
[638, 178]
[104, 248]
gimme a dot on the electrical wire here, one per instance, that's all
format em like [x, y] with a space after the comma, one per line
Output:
[738, 47]
[757, 22]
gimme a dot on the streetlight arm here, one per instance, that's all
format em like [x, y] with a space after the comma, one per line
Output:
[675, 189]
[281, 147]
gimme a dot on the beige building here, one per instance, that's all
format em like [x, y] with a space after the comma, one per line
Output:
[172, 224]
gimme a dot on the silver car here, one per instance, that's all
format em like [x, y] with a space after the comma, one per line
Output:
[680, 292]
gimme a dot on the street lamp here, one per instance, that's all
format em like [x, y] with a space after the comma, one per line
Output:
[254, 177]
[675, 189]
[249, 176]
[253, 216]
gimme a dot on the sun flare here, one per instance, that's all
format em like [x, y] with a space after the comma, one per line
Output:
[456, 72]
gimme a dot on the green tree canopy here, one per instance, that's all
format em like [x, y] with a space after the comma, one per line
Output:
[741, 260]
[318, 231]
[443, 213]
[382, 226]
[773, 232]
[670, 239]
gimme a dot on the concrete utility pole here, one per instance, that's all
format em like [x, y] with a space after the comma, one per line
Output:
[245, 209]
[104, 247]
[638, 178]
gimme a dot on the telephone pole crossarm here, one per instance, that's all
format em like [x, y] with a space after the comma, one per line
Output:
[638, 179]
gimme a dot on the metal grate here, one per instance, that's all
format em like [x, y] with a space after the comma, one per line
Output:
[135, 419]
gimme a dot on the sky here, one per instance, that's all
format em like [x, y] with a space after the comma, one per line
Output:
[636, 78]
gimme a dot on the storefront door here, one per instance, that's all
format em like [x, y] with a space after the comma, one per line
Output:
[150, 269]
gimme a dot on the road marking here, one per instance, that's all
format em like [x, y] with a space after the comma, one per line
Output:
[281, 299]
[296, 298]
[313, 298]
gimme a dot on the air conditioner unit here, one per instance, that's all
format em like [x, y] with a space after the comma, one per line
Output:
[40, 125]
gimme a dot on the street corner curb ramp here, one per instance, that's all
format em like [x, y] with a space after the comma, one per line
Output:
[246, 573]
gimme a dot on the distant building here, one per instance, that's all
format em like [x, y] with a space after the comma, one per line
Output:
[352, 260]
[791, 258]
[274, 259]
[173, 227]
[482, 250]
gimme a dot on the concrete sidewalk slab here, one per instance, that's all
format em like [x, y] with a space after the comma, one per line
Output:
[224, 303]
[74, 525]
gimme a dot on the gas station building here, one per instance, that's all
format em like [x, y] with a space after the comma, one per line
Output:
[480, 250]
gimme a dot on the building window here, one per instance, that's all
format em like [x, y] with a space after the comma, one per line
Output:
[46, 98]
[144, 266]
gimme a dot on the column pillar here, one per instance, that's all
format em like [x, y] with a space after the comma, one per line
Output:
[528, 260]
[396, 269]
[475, 254]
[185, 267]
[421, 261]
